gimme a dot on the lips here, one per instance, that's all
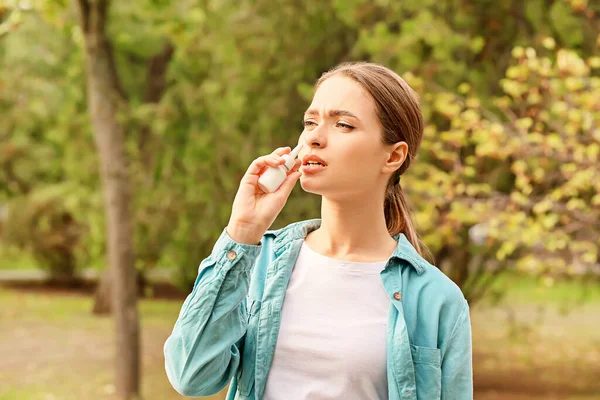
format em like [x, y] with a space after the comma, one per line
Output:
[312, 168]
[312, 158]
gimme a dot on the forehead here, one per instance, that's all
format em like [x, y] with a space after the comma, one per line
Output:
[342, 93]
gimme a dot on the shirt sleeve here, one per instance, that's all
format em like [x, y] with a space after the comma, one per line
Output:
[457, 363]
[202, 353]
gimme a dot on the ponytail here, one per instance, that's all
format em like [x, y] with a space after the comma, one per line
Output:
[398, 218]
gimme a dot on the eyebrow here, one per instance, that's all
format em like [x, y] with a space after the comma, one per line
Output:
[332, 113]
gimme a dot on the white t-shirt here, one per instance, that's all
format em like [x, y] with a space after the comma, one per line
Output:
[332, 337]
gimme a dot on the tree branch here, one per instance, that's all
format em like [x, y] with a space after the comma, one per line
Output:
[83, 7]
[156, 74]
[92, 16]
[156, 84]
[116, 81]
[99, 15]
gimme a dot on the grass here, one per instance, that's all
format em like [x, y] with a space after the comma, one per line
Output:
[540, 341]
[75, 309]
[53, 348]
[525, 348]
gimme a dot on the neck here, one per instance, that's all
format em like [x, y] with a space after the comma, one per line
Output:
[353, 229]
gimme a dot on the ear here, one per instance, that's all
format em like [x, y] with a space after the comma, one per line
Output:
[396, 155]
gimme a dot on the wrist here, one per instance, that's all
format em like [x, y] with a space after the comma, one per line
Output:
[243, 234]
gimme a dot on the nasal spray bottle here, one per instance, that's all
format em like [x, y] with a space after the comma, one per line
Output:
[273, 177]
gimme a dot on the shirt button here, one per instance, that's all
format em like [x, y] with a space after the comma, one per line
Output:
[397, 296]
[231, 255]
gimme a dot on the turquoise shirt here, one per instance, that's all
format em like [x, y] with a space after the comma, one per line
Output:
[227, 328]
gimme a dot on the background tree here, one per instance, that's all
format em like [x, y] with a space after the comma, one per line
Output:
[206, 86]
[103, 92]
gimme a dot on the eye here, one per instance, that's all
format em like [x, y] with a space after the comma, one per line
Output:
[309, 123]
[345, 126]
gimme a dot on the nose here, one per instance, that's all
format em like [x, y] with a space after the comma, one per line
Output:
[315, 138]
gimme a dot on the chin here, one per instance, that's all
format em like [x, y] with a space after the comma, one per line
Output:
[310, 185]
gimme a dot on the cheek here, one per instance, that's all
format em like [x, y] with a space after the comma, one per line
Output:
[359, 148]
[361, 160]
[354, 159]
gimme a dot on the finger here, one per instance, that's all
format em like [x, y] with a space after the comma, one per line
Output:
[258, 165]
[282, 150]
[278, 160]
[288, 184]
[297, 165]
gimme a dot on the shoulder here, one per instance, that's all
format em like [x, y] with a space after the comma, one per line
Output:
[434, 306]
[439, 285]
[425, 279]
[437, 297]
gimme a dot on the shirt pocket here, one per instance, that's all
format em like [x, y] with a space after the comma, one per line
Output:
[247, 373]
[428, 372]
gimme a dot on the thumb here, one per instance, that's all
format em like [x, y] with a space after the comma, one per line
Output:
[288, 184]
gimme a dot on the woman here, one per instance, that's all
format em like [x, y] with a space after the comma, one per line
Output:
[341, 307]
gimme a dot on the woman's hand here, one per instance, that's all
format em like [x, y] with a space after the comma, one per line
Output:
[253, 210]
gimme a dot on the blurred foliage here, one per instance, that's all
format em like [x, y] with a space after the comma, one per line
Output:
[526, 175]
[507, 175]
[41, 224]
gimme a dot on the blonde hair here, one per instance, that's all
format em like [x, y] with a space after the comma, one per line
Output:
[398, 110]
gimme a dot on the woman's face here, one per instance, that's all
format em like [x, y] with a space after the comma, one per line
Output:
[342, 128]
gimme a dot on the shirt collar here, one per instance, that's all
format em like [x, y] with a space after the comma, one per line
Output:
[299, 230]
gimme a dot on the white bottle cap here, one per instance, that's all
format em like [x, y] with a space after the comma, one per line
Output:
[290, 159]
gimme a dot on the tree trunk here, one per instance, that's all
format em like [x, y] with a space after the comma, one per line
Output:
[102, 297]
[103, 99]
